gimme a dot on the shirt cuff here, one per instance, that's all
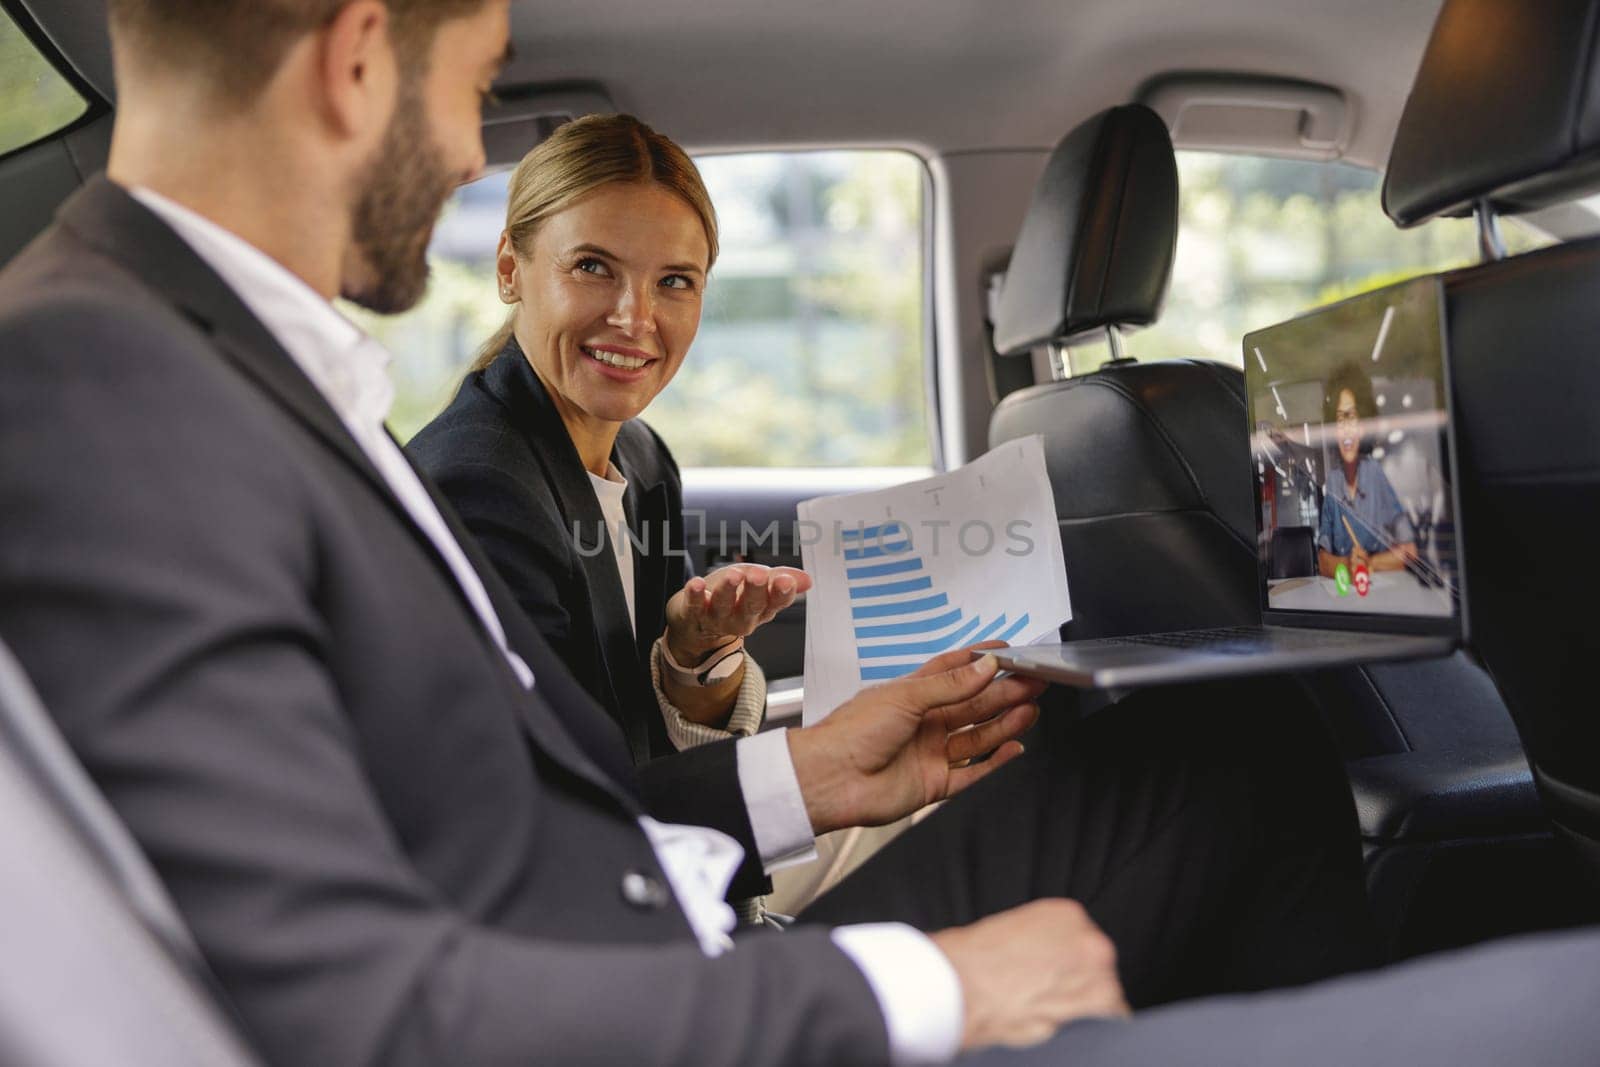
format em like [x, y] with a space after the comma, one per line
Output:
[916, 988]
[773, 800]
[749, 707]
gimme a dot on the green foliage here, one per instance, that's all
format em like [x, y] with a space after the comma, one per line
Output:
[818, 361]
[434, 344]
[35, 101]
[1262, 240]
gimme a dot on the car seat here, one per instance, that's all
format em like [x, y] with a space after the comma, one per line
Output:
[1504, 117]
[1149, 465]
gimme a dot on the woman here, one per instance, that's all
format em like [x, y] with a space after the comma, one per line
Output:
[1363, 524]
[609, 237]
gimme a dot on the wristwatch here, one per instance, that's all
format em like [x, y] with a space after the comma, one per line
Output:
[723, 663]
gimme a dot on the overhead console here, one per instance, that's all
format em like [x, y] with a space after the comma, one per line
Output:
[521, 118]
[1267, 116]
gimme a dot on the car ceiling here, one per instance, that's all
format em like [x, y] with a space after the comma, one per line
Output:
[942, 76]
[954, 75]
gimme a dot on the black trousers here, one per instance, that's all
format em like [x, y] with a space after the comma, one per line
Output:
[1208, 829]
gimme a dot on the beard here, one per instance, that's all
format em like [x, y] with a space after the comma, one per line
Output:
[399, 195]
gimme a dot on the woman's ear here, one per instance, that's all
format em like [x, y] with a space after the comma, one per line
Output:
[505, 268]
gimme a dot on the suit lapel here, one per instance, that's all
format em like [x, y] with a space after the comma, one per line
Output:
[111, 220]
[107, 218]
[647, 514]
[569, 731]
[512, 379]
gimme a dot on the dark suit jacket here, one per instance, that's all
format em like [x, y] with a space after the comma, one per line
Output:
[503, 458]
[388, 850]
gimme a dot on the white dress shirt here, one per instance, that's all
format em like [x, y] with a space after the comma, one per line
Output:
[914, 984]
[750, 703]
[609, 491]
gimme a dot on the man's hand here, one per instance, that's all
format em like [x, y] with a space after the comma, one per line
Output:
[1026, 972]
[897, 747]
[729, 602]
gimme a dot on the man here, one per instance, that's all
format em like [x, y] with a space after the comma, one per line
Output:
[400, 832]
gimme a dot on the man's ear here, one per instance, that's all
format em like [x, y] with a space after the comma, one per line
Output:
[505, 268]
[356, 69]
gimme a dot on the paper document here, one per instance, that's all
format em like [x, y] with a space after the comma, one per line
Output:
[906, 573]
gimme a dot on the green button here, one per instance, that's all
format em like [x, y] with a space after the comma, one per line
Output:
[1341, 579]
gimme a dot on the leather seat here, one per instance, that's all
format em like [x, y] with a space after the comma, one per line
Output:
[86, 923]
[1134, 454]
[1505, 117]
[1149, 467]
[1147, 461]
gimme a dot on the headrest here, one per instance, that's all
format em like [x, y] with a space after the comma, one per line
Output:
[1096, 246]
[1505, 107]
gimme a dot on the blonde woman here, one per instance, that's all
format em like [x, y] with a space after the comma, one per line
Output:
[610, 235]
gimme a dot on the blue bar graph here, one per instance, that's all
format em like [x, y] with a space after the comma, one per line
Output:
[884, 674]
[919, 648]
[877, 551]
[1015, 630]
[926, 625]
[989, 631]
[913, 585]
[883, 570]
[900, 607]
[867, 533]
[905, 629]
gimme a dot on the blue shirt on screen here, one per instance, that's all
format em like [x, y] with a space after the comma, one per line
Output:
[1374, 512]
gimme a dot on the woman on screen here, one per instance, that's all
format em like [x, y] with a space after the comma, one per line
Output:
[1362, 524]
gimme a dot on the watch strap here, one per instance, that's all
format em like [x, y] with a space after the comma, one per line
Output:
[719, 666]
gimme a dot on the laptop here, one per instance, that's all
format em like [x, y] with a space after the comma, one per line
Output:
[1359, 549]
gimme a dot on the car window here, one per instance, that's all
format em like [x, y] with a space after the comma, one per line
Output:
[812, 342]
[1261, 240]
[35, 100]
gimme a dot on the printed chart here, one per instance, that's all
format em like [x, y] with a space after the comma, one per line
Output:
[906, 573]
[898, 616]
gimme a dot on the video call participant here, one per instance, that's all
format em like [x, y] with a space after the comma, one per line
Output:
[1362, 523]
[399, 830]
[609, 239]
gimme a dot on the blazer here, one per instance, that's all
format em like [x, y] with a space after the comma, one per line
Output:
[388, 850]
[503, 458]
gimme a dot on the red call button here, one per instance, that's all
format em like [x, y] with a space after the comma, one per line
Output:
[1363, 580]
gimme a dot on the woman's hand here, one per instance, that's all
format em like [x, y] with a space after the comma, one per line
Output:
[729, 602]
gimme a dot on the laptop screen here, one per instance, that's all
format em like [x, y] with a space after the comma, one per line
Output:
[1350, 445]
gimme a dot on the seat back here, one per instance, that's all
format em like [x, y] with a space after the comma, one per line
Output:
[1155, 529]
[1293, 553]
[1148, 462]
[98, 968]
[1505, 115]
[1525, 365]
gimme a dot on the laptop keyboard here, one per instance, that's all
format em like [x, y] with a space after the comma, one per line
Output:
[1193, 638]
[1240, 639]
